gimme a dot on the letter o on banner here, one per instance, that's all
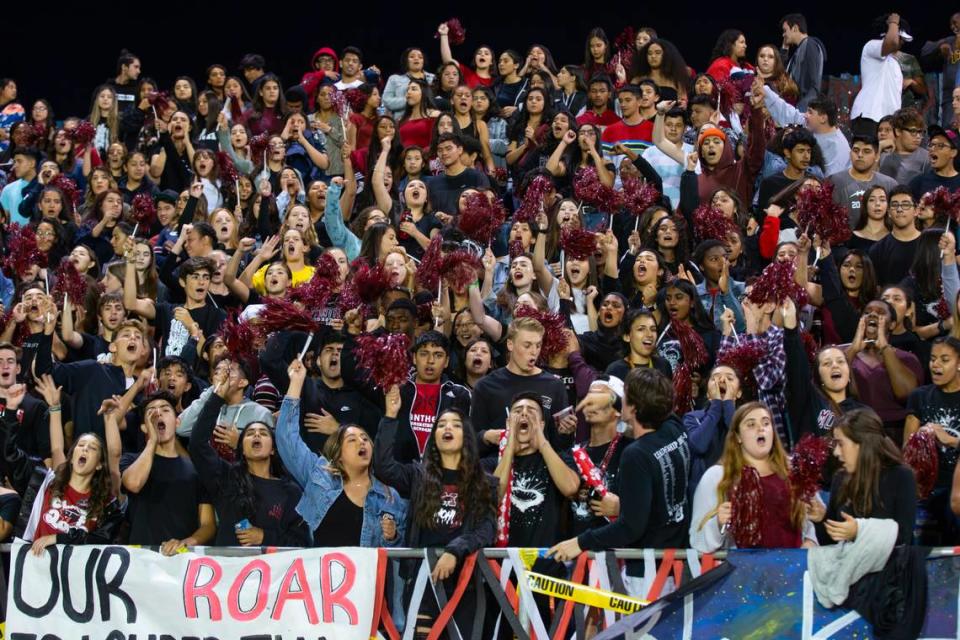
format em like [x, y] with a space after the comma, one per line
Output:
[262, 569]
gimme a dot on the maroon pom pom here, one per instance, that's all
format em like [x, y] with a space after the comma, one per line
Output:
[316, 293]
[920, 452]
[747, 511]
[370, 282]
[554, 331]
[356, 99]
[943, 202]
[460, 268]
[158, 100]
[339, 103]
[227, 170]
[824, 217]
[682, 389]
[499, 175]
[810, 346]
[69, 282]
[638, 196]
[695, 355]
[455, 32]
[710, 223]
[428, 272]
[82, 134]
[743, 358]
[480, 218]
[68, 187]
[258, 146]
[515, 248]
[776, 284]
[144, 211]
[578, 244]
[806, 466]
[22, 252]
[385, 358]
[240, 337]
[280, 314]
[943, 309]
[532, 204]
[587, 187]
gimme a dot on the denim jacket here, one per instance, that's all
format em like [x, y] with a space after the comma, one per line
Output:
[322, 488]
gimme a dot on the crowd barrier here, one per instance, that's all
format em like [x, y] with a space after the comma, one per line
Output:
[134, 593]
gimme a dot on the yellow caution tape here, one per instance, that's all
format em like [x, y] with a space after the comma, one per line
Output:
[582, 594]
[529, 555]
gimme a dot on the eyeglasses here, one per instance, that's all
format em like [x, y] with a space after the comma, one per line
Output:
[938, 146]
[903, 206]
[45, 234]
[913, 132]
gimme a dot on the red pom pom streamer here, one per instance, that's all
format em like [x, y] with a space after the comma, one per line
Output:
[695, 355]
[943, 202]
[356, 99]
[480, 218]
[515, 248]
[82, 134]
[22, 252]
[258, 146]
[587, 187]
[747, 512]
[455, 32]
[339, 103]
[943, 309]
[806, 466]
[578, 244]
[638, 196]
[158, 100]
[144, 211]
[385, 358]
[241, 338]
[776, 284]
[280, 314]
[68, 187]
[365, 286]
[710, 223]
[532, 204]
[920, 452]
[810, 346]
[227, 170]
[499, 175]
[428, 272]
[743, 358]
[824, 217]
[554, 331]
[460, 268]
[324, 282]
[70, 283]
[625, 47]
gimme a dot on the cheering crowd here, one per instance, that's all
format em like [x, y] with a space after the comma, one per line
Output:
[614, 303]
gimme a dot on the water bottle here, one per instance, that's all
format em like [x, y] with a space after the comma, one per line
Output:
[381, 110]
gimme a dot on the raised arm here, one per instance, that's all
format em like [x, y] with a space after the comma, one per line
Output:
[296, 455]
[143, 307]
[445, 54]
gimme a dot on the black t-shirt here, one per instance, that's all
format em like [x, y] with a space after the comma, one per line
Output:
[9, 507]
[771, 186]
[929, 181]
[445, 190]
[173, 335]
[535, 504]
[931, 405]
[892, 258]
[168, 504]
[620, 368]
[341, 526]
[448, 520]
[493, 393]
[583, 517]
[426, 224]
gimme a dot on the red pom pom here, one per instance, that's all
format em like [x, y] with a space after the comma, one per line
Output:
[158, 100]
[456, 34]
[806, 466]
[258, 146]
[82, 134]
[515, 248]
[578, 244]
[682, 389]
[460, 268]
[710, 223]
[280, 314]
[364, 287]
[824, 217]
[22, 252]
[532, 204]
[943, 202]
[776, 284]
[228, 170]
[920, 452]
[695, 355]
[743, 358]
[241, 338]
[323, 283]
[638, 196]
[554, 330]
[356, 99]
[587, 187]
[339, 103]
[428, 271]
[943, 309]
[68, 187]
[69, 282]
[747, 512]
[480, 218]
[499, 175]
[144, 211]
[810, 346]
[385, 358]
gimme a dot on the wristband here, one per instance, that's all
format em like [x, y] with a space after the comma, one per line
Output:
[54, 409]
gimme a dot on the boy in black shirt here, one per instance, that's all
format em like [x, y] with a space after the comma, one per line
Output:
[445, 189]
[893, 254]
[168, 506]
[175, 325]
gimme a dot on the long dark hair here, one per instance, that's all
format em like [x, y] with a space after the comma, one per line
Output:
[258, 105]
[868, 284]
[101, 489]
[724, 45]
[516, 130]
[426, 101]
[596, 32]
[926, 265]
[698, 317]
[877, 452]
[672, 64]
[475, 490]
[237, 486]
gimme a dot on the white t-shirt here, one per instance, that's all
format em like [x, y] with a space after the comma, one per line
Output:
[882, 83]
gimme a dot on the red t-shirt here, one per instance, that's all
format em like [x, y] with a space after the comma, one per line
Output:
[605, 119]
[423, 412]
[364, 129]
[417, 132]
[69, 511]
[776, 529]
[471, 79]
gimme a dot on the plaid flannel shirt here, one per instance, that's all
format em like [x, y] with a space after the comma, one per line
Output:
[770, 374]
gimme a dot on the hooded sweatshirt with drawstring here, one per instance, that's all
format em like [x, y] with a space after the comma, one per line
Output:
[311, 79]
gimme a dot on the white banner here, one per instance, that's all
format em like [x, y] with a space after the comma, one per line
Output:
[101, 592]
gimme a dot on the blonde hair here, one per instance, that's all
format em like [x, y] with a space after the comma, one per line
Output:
[524, 324]
[235, 234]
[112, 118]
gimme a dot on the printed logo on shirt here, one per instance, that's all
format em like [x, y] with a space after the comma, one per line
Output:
[450, 514]
[276, 511]
[177, 338]
[63, 516]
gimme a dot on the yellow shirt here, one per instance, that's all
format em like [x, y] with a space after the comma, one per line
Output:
[300, 276]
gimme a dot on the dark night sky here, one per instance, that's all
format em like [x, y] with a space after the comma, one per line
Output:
[173, 39]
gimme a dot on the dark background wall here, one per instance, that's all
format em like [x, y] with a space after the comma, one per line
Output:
[62, 54]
